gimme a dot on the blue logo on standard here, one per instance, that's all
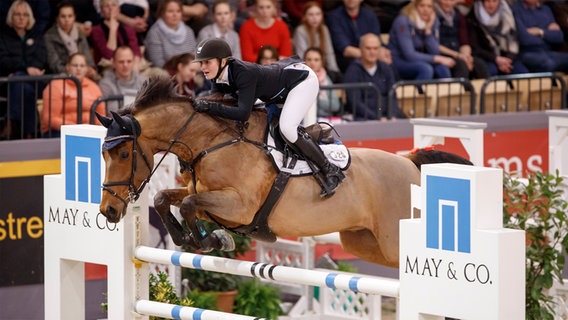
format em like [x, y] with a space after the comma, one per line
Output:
[448, 222]
[83, 169]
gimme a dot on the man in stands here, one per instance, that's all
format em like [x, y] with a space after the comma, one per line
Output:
[122, 79]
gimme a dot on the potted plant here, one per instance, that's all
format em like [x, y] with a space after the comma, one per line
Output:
[538, 207]
[223, 285]
[258, 299]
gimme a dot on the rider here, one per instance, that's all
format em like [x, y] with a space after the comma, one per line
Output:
[287, 81]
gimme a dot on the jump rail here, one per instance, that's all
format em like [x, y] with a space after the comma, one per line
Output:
[172, 311]
[269, 271]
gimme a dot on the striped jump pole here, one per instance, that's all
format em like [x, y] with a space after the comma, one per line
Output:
[172, 311]
[269, 272]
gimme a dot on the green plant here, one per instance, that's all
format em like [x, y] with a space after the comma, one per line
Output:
[258, 299]
[161, 290]
[538, 208]
[203, 300]
[215, 281]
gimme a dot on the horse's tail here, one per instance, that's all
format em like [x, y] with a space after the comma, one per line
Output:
[427, 155]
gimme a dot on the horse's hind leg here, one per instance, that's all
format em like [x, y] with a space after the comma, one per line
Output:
[162, 202]
[364, 244]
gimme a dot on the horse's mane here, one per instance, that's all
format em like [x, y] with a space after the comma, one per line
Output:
[156, 90]
[428, 155]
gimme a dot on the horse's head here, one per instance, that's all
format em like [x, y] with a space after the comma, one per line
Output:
[128, 164]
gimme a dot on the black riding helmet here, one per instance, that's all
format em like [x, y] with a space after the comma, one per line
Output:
[213, 48]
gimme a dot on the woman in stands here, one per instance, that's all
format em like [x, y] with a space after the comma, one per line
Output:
[414, 43]
[22, 53]
[222, 27]
[264, 29]
[329, 101]
[60, 98]
[169, 35]
[313, 32]
[64, 39]
[111, 34]
[186, 74]
[493, 36]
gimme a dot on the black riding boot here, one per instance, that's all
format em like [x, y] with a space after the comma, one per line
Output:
[332, 174]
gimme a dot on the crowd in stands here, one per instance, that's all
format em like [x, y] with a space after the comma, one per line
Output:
[112, 46]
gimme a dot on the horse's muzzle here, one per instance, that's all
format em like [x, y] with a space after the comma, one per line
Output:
[111, 214]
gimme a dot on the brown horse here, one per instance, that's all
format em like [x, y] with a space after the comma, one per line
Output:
[229, 176]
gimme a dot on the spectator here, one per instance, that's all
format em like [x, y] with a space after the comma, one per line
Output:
[493, 36]
[22, 53]
[560, 10]
[264, 29]
[386, 11]
[64, 39]
[347, 24]
[190, 81]
[86, 14]
[454, 42]
[135, 14]
[40, 9]
[369, 68]
[111, 34]
[295, 10]
[122, 79]
[329, 101]
[538, 34]
[223, 15]
[169, 35]
[60, 98]
[267, 55]
[415, 45]
[195, 14]
[314, 33]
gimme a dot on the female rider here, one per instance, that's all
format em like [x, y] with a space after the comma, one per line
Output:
[287, 81]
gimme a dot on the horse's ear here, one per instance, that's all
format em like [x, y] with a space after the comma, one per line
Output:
[118, 119]
[105, 121]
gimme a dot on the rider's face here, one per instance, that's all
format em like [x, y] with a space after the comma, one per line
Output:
[210, 68]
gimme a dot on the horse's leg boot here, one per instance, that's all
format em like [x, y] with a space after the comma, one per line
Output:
[333, 175]
[176, 231]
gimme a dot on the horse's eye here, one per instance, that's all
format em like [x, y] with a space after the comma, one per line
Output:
[124, 155]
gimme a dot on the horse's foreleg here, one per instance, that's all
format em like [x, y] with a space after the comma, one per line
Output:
[221, 203]
[162, 202]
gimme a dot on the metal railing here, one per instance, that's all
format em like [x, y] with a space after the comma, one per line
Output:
[523, 92]
[16, 128]
[118, 98]
[352, 90]
[433, 98]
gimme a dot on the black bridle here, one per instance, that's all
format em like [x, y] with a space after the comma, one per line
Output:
[133, 191]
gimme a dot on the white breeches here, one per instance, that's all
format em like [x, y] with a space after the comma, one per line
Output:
[298, 103]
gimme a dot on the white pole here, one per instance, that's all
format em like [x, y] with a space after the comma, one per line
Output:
[171, 311]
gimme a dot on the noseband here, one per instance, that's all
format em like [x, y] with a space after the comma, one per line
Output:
[133, 191]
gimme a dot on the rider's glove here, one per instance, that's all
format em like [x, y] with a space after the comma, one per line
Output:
[202, 105]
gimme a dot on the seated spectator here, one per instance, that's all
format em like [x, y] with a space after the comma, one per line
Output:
[111, 34]
[169, 36]
[347, 23]
[265, 29]
[22, 53]
[60, 99]
[386, 11]
[414, 43]
[329, 101]
[190, 81]
[493, 36]
[135, 14]
[40, 9]
[314, 33]
[267, 55]
[223, 15]
[454, 42]
[538, 34]
[122, 79]
[86, 14]
[560, 11]
[369, 68]
[194, 13]
[64, 39]
[295, 10]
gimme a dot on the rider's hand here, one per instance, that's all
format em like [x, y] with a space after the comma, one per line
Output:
[202, 105]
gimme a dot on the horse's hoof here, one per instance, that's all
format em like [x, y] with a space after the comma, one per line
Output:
[225, 240]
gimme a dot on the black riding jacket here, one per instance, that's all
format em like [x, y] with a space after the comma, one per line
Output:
[250, 81]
